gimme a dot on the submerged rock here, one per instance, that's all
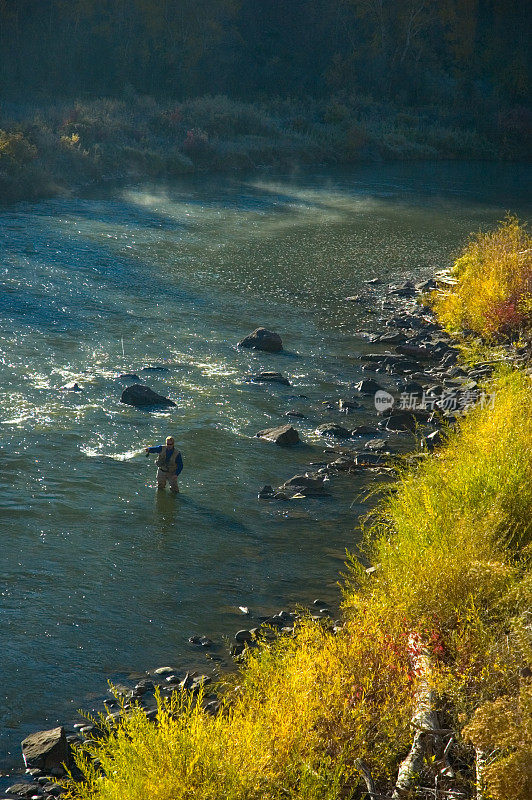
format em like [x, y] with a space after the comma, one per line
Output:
[269, 377]
[281, 435]
[332, 429]
[26, 790]
[346, 406]
[139, 395]
[266, 493]
[262, 339]
[128, 376]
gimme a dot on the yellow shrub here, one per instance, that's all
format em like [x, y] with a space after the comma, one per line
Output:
[494, 283]
[503, 730]
[451, 544]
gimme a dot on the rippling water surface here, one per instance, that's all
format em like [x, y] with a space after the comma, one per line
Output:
[101, 575]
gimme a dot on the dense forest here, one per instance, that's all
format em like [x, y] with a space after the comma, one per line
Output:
[118, 90]
[412, 51]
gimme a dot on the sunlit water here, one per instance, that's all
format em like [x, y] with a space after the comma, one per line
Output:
[102, 576]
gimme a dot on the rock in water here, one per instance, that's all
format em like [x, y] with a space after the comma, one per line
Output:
[401, 422]
[139, 395]
[332, 429]
[269, 377]
[368, 386]
[283, 435]
[128, 376]
[46, 749]
[263, 339]
[307, 485]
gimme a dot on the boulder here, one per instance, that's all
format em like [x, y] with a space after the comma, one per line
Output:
[139, 395]
[368, 386]
[26, 790]
[401, 366]
[411, 387]
[262, 339]
[332, 429]
[243, 636]
[401, 422]
[391, 338]
[269, 377]
[46, 749]
[306, 485]
[282, 435]
[415, 351]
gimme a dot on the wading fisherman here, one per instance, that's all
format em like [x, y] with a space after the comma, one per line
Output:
[169, 464]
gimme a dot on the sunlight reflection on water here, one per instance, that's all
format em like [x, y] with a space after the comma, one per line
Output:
[103, 574]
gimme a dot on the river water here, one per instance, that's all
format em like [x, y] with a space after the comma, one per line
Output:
[101, 575]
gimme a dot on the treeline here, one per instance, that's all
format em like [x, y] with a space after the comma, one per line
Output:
[450, 52]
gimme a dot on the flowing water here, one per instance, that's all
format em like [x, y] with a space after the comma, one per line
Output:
[100, 574]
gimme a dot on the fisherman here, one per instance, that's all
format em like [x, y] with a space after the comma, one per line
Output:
[169, 464]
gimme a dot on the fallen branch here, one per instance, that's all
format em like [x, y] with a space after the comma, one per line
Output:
[481, 759]
[364, 770]
[424, 720]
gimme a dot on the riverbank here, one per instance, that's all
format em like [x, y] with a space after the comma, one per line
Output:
[61, 147]
[328, 709]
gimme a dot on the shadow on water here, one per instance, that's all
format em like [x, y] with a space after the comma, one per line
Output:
[169, 508]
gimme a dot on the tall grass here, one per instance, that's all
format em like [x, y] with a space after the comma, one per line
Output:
[451, 547]
[493, 291]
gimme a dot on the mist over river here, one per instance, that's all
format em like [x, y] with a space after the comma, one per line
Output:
[102, 576]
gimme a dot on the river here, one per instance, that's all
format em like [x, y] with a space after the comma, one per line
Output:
[102, 576]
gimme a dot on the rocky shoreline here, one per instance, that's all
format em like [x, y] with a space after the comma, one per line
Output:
[431, 392]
